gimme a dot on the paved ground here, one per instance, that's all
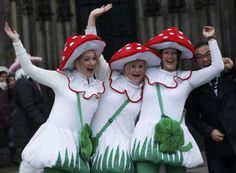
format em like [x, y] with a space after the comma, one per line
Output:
[9, 170]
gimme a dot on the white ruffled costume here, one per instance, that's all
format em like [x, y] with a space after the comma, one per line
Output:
[56, 143]
[175, 88]
[113, 151]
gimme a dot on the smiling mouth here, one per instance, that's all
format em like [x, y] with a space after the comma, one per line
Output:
[90, 70]
[136, 75]
[170, 61]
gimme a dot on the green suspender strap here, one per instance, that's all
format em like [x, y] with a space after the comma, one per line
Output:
[85, 142]
[108, 123]
[79, 109]
[168, 132]
[110, 120]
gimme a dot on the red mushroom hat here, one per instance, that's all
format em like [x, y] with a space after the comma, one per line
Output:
[77, 45]
[16, 65]
[172, 38]
[134, 51]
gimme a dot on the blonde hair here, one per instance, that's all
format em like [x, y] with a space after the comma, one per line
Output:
[97, 60]
[128, 64]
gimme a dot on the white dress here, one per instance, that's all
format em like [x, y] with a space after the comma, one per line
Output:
[113, 151]
[175, 88]
[56, 143]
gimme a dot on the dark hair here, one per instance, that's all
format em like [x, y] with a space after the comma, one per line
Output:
[200, 44]
[178, 56]
[11, 75]
[178, 52]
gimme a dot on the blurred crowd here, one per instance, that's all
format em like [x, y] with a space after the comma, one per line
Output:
[23, 108]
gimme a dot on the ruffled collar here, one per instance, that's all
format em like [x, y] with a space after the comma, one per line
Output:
[79, 83]
[122, 85]
[165, 78]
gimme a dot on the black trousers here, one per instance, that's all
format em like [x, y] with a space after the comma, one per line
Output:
[222, 164]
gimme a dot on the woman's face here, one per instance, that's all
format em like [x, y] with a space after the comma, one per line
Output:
[135, 70]
[86, 63]
[169, 59]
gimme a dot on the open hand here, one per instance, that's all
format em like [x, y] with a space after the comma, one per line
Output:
[99, 11]
[208, 31]
[13, 35]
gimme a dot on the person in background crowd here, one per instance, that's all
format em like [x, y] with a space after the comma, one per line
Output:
[211, 109]
[11, 80]
[4, 107]
[12, 107]
[29, 113]
[161, 135]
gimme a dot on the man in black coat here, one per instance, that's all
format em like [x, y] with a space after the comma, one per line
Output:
[30, 111]
[211, 109]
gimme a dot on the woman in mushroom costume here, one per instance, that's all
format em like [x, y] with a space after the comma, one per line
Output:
[119, 108]
[161, 135]
[120, 105]
[60, 145]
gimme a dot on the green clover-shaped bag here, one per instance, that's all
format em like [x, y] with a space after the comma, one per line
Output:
[169, 135]
[94, 141]
[86, 146]
[168, 132]
[87, 143]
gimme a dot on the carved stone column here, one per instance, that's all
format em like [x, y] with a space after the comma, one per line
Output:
[44, 18]
[13, 14]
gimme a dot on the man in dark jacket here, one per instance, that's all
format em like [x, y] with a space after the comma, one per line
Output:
[30, 110]
[211, 109]
[29, 114]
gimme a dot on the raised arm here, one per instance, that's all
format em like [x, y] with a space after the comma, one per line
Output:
[103, 71]
[45, 77]
[91, 25]
[204, 75]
